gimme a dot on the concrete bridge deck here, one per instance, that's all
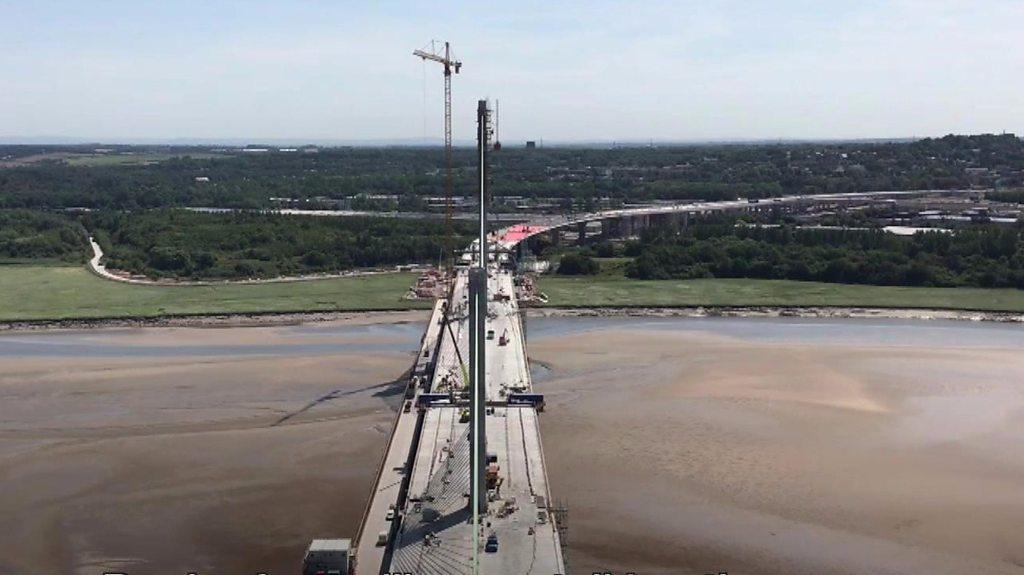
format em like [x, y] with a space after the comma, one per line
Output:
[431, 532]
[392, 475]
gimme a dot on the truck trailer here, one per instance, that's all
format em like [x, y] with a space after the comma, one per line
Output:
[327, 557]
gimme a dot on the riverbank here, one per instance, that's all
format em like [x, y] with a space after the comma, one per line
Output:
[769, 312]
[60, 296]
[271, 319]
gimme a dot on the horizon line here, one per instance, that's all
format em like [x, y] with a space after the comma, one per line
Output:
[243, 142]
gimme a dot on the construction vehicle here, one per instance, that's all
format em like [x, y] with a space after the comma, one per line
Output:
[327, 557]
[492, 476]
[534, 399]
[492, 544]
[425, 399]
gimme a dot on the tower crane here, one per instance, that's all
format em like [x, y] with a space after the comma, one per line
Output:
[445, 57]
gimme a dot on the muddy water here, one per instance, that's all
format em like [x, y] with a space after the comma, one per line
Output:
[680, 445]
[935, 333]
[785, 446]
[292, 340]
[190, 450]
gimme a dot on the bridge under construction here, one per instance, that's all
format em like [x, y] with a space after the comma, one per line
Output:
[462, 487]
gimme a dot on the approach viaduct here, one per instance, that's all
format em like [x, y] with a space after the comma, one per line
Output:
[627, 222]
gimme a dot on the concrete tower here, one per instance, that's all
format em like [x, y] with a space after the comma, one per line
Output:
[478, 327]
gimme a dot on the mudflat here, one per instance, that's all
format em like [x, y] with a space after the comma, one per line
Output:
[680, 445]
[175, 450]
[696, 450]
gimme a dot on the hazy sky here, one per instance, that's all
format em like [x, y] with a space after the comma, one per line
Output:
[594, 70]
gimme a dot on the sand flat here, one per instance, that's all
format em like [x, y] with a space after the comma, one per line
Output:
[683, 452]
[686, 449]
[166, 464]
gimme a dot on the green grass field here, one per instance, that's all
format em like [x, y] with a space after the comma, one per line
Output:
[95, 160]
[34, 292]
[56, 291]
[596, 291]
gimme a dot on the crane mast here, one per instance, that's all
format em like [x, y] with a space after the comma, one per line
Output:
[446, 59]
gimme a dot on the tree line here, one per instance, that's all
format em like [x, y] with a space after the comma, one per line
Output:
[982, 257]
[1008, 196]
[579, 176]
[184, 244]
[27, 234]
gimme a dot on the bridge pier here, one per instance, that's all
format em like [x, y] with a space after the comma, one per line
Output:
[609, 228]
[556, 237]
[626, 226]
[669, 220]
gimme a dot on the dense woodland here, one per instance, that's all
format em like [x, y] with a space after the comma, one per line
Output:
[128, 193]
[578, 175]
[26, 234]
[177, 243]
[983, 257]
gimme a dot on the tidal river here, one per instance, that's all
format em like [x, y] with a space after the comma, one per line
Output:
[678, 445]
